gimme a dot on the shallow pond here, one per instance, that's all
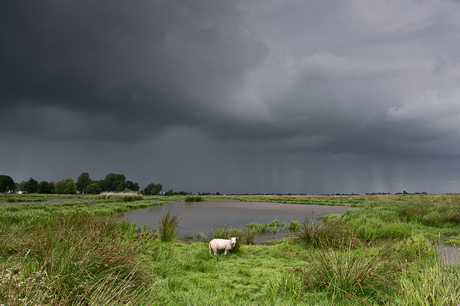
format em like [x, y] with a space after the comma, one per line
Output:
[202, 217]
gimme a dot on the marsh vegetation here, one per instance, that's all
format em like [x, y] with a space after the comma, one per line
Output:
[72, 253]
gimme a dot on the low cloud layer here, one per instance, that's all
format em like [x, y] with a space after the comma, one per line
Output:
[266, 96]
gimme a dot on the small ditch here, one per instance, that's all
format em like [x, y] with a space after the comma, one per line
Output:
[449, 254]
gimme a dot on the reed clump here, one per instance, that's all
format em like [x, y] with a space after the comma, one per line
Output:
[262, 228]
[120, 196]
[293, 225]
[193, 199]
[326, 233]
[279, 289]
[353, 273]
[434, 284]
[168, 226]
[74, 257]
[259, 228]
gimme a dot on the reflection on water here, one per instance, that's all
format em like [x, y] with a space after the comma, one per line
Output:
[202, 217]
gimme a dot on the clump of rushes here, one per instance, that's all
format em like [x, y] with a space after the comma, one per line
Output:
[70, 259]
[437, 284]
[326, 234]
[275, 226]
[293, 225]
[167, 227]
[351, 273]
[287, 287]
[259, 228]
[193, 199]
[12, 199]
[120, 196]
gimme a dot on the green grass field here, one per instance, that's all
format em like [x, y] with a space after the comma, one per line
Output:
[72, 253]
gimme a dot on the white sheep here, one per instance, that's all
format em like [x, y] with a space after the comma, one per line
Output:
[221, 245]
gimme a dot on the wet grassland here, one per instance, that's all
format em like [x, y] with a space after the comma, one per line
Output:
[384, 253]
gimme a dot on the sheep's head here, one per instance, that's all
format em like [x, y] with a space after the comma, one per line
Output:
[233, 239]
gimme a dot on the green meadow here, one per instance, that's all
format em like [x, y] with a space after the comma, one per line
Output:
[76, 253]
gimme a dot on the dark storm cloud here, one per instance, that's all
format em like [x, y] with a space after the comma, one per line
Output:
[266, 93]
[142, 66]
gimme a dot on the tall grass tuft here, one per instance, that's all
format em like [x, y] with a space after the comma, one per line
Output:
[193, 199]
[259, 228]
[275, 226]
[287, 287]
[437, 284]
[70, 258]
[167, 227]
[350, 273]
[326, 234]
[293, 225]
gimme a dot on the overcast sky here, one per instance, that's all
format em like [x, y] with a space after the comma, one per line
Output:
[260, 96]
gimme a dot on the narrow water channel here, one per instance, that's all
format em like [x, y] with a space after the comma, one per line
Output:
[449, 254]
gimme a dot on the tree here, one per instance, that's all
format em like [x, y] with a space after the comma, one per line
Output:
[121, 187]
[112, 182]
[131, 186]
[170, 192]
[93, 188]
[83, 181]
[7, 184]
[153, 189]
[45, 187]
[31, 186]
[66, 186]
[21, 185]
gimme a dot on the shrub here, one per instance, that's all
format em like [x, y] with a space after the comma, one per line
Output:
[167, 226]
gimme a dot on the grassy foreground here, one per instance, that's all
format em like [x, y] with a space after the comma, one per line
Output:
[69, 253]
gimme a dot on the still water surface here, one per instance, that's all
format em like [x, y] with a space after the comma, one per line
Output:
[202, 217]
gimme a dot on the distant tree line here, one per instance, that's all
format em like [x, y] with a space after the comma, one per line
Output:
[112, 182]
